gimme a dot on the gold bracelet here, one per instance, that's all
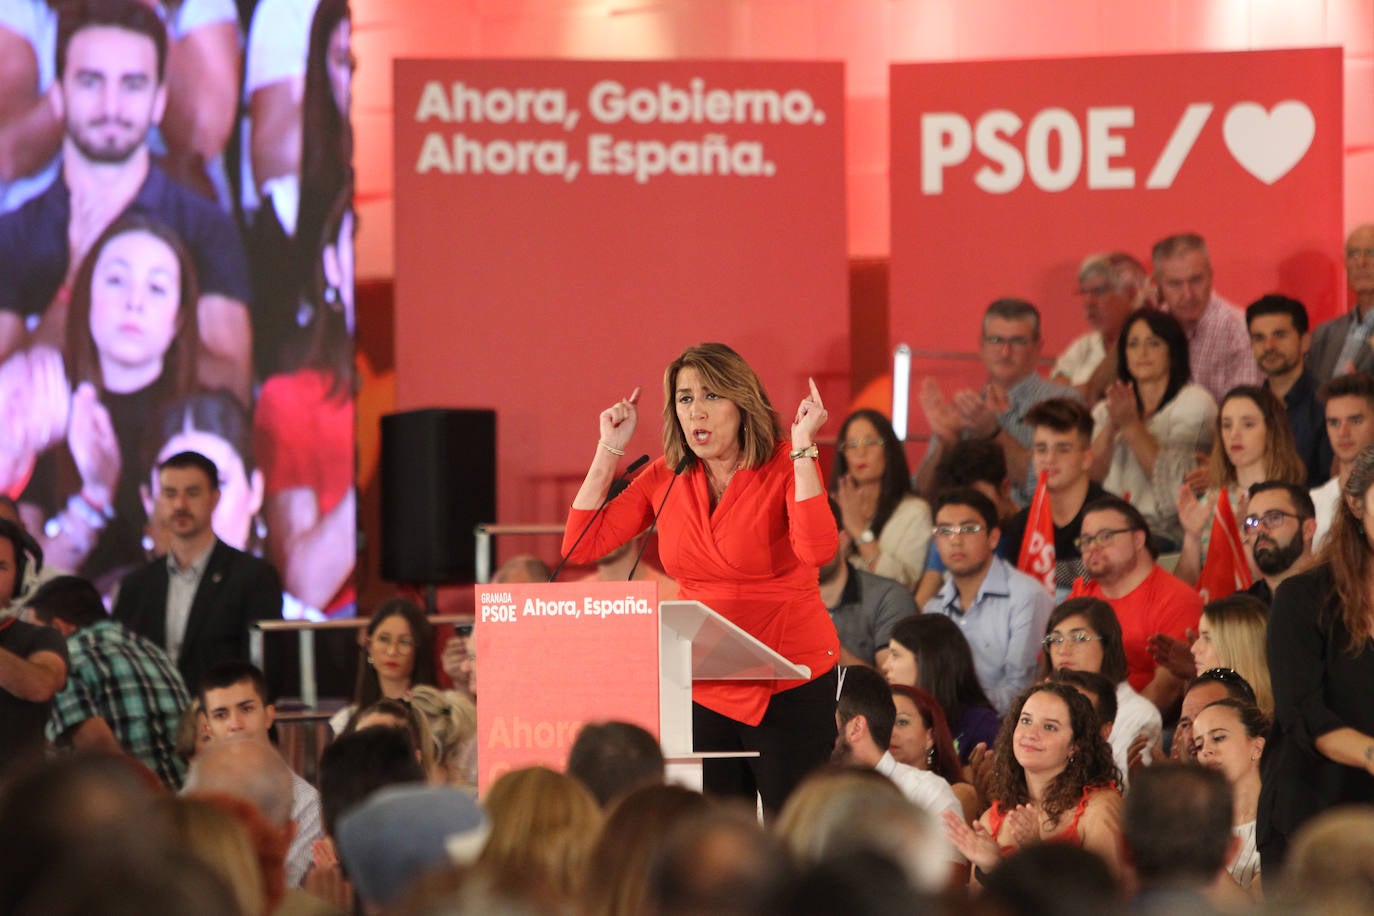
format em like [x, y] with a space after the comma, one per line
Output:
[618, 452]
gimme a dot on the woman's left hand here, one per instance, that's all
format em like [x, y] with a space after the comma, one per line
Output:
[811, 416]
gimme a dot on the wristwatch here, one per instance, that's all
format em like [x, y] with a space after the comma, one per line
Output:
[811, 451]
[868, 537]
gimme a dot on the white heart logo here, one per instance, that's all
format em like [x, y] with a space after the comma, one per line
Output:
[1268, 144]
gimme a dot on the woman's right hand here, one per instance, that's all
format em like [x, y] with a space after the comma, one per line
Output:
[619, 420]
[974, 843]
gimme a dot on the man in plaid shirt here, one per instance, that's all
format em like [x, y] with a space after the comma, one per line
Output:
[123, 693]
[1219, 352]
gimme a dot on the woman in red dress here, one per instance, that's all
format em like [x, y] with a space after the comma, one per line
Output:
[744, 532]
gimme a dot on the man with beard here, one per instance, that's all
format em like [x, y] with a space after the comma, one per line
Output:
[200, 601]
[1279, 530]
[110, 91]
[1280, 341]
[864, 718]
[1119, 555]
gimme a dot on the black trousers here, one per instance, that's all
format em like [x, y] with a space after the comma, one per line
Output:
[796, 735]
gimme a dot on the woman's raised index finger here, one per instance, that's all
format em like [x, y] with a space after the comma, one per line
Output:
[815, 392]
[634, 396]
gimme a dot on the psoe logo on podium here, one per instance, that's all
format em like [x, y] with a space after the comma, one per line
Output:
[553, 657]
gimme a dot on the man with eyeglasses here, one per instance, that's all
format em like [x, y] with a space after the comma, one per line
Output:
[1342, 344]
[1000, 610]
[1278, 531]
[1119, 557]
[1350, 427]
[1218, 343]
[1010, 348]
[234, 697]
[1112, 286]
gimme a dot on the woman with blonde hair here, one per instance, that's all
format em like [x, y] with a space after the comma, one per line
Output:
[544, 824]
[451, 718]
[202, 827]
[1231, 634]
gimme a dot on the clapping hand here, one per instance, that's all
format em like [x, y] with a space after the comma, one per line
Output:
[974, 843]
[943, 419]
[976, 413]
[1193, 513]
[94, 446]
[1122, 408]
[1174, 654]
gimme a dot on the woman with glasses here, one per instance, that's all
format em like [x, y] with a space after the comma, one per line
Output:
[1321, 663]
[395, 653]
[887, 526]
[1153, 421]
[1083, 634]
[1053, 780]
[1254, 443]
[929, 651]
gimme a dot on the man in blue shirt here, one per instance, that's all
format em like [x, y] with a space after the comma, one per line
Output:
[1001, 611]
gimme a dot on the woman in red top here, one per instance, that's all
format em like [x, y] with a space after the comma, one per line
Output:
[1054, 780]
[744, 532]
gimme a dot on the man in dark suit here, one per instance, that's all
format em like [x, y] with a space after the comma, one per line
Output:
[199, 602]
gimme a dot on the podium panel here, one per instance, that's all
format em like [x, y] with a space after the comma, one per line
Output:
[552, 657]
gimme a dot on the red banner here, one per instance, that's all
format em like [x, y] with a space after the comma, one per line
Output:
[564, 229]
[1006, 174]
[1226, 568]
[1037, 546]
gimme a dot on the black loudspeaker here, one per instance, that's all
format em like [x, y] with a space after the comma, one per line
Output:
[438, 482]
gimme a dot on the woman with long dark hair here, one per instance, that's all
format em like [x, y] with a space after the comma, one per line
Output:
[132, 340]
[930, 652]
[1053, 779]
[395, 654]
[1321, 665]
[887, 526]
[1153, 421]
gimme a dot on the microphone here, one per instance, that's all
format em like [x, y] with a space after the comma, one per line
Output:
[610, 493]
[682, 465]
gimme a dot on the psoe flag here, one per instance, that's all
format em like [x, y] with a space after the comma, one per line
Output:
[1037, 547]
[1225, 569]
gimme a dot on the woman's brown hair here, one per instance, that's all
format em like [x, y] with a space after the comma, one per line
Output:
[1347, 550]
[1281, 459]
[724, 372]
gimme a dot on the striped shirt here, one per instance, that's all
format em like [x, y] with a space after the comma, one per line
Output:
[129, 682]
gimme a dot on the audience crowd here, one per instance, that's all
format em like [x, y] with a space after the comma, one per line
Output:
[1108, 649]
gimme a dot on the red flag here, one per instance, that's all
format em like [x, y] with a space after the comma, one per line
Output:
[1226, 569]
[1037, 545]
